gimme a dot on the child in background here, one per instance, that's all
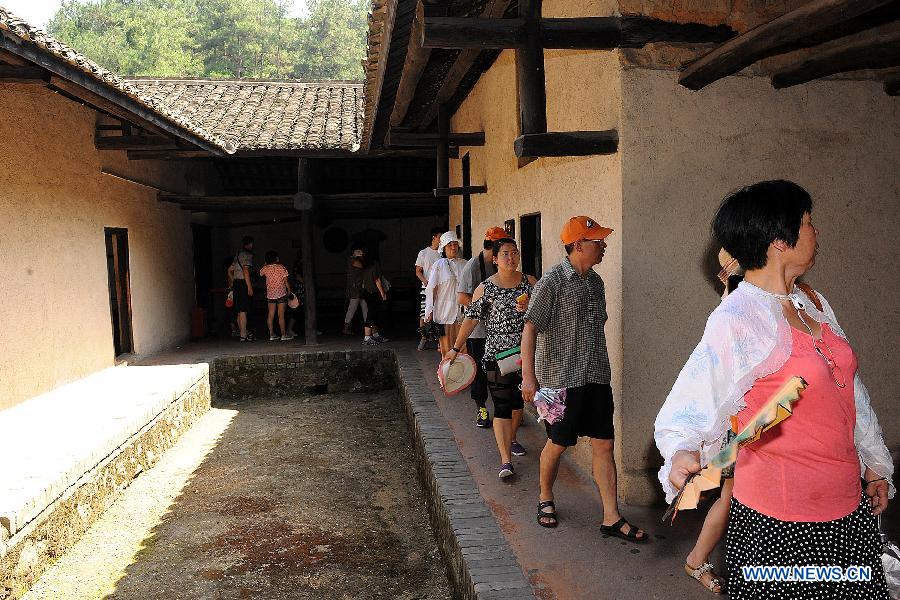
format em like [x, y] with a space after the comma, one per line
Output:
[278, 288]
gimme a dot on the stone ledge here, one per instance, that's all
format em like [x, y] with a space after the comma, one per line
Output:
[25, 556]
[479, 560]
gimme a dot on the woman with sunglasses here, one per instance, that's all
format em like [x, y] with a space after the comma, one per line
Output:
[500, 303]
[798, 498]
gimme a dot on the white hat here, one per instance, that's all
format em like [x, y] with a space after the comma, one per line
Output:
[447, 238]
[456, 376]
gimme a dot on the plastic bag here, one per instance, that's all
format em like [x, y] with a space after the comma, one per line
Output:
[550, 404]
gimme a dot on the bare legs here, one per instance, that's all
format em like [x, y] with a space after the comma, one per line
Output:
[242, 324]
[270, 318]
[712, 532]
[604, 471]
[505, 432]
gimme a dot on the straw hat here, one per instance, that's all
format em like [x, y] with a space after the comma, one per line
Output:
[458, 375]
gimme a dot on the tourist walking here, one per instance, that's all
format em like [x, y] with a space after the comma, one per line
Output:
[798, 499]
[499, 304]
[354, 291]
[441, 299]
[242, 286]
[427, 256]
[372, 294]
[278, 288]
[478, 269]
[564, 347]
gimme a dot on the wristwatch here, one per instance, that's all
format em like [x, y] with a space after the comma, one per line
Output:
[455, 350]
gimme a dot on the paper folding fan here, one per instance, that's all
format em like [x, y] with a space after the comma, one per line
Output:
[776, 409]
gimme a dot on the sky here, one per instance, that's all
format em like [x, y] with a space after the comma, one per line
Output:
[38, 12]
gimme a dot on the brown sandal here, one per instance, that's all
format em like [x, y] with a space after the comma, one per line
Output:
[716, 585]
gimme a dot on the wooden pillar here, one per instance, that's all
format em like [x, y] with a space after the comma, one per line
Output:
[530, 68]
[443, 148]
[304, 202]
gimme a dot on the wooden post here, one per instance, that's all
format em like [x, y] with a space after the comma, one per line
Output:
[307, 230]
[443, 148]
[530, 67]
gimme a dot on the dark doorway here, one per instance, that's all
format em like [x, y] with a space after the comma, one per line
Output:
[467, 209]
[119, 288]
[531, 244]
[203, 264]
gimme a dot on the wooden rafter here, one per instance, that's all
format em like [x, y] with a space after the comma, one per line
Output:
[409, 139]
[868, 50]
[567, 143]
[585, 33]
[784, 33]
[460, 191]
[464, 61]
[20, 74]
[416, 59]
[134, 142]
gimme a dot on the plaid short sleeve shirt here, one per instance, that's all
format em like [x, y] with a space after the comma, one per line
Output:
[569, 312]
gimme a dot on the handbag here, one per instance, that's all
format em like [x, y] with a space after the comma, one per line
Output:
[509, 361]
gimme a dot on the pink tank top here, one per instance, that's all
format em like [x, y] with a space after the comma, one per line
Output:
[806, 468]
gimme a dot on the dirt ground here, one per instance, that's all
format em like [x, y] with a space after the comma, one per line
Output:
[308, 497]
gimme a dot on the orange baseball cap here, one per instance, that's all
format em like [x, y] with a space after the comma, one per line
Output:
[583, 228]
[495, 233]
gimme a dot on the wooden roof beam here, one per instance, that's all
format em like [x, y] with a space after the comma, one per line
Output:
[783, 33]
[408, 139]
[878, 50]
[26, 75]
[135, 142]
[459, 191]
[416, 59]
[585, 33]
[459, 69]
[567, 143]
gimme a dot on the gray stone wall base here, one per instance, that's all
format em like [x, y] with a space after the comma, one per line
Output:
[30, 551]
[480, 563]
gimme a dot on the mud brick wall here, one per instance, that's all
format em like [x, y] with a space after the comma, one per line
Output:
[284, 375]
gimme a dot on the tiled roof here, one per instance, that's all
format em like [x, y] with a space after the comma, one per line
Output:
[29, 34]
[266, 115]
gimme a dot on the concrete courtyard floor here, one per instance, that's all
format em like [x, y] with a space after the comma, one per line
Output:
[306, 497]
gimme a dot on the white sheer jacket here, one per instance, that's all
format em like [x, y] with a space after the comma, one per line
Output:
[747, 337]
[441, 299]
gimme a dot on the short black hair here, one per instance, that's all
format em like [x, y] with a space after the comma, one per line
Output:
[497, 245]
[248, 239]
[436, 231]
[753, 217]
[271, 257]
[488, 244]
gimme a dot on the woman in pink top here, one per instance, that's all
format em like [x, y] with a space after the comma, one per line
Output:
[798, 498]
[278, 288]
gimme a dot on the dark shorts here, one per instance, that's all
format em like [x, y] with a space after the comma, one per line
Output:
[589, 412]
[242, 301]
[505, 390]
[374, 303]
[282, 300]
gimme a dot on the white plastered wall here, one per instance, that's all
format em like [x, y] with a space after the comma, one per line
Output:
[583, 93]
[682, 152]
[54, 205]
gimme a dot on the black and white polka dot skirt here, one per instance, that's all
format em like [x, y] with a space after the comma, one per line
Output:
[754, 539]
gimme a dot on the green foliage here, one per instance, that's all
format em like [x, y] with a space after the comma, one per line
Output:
[217, 38]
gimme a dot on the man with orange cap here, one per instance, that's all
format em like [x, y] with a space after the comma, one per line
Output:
[477, 270]
[564, 348]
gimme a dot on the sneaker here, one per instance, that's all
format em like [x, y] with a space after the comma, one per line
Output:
[272, 338]
[506, 470]
[482, 419]
[517, 449]
[287, 337]
[380, 338]
[421, 345]
[370, 342]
